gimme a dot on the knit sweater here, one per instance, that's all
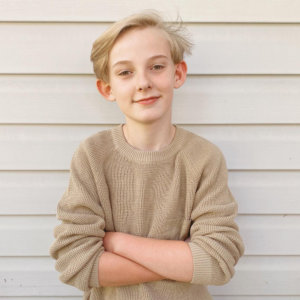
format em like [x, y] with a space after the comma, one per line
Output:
[178, 192]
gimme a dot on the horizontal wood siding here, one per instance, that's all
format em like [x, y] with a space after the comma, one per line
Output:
[50, 147]
[279, 275]
[190, 11]
[242, 93]
[49, 48]
[33, 234]
[257, 192]
[203, 99]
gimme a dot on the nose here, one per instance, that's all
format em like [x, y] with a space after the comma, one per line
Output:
[143, 82]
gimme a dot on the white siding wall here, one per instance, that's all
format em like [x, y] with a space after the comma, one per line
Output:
[242, 93]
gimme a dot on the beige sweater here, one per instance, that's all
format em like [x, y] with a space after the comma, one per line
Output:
[171, 194]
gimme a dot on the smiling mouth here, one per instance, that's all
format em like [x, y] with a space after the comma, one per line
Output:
[148, 100]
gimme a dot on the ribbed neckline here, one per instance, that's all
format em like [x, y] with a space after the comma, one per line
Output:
[141, 156]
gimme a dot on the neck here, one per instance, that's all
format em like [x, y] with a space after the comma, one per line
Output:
[149, 137]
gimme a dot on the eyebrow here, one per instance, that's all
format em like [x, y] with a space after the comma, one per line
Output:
[123, 62]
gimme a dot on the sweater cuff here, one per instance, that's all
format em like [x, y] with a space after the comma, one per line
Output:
[203, 264]
[94, 279]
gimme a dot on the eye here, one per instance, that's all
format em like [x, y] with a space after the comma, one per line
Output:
[157, 67]
[124, 73]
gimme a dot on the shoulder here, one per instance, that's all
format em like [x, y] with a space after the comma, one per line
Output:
[198, 147]
[98, 138]
[200, 155]
[96, 145]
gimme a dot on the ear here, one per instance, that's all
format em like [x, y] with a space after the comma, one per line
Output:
[105, 90]
[180, 74]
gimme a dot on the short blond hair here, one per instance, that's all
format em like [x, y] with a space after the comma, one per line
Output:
[175, 32]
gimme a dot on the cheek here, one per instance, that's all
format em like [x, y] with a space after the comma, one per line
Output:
[119, 89]
[164, 82]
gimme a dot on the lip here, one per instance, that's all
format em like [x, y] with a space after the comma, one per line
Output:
[148, 100]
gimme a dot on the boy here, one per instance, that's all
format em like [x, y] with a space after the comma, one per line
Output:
[148, 213]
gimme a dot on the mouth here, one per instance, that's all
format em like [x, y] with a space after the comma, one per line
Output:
[148, 100]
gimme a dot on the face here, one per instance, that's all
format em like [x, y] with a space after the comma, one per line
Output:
[142, 76]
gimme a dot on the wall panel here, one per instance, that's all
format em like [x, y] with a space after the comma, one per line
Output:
[242, 93]
[257, 192]
[232, 99]
[190, 11]
[263, 234]
[48, 48]
[265, 276]
[44, 147]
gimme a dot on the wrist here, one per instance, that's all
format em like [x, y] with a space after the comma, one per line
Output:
[116, 242]
[121, 239]
[111, 241]
[123, 242]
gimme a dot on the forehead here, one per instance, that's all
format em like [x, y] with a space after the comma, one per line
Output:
[140, 43]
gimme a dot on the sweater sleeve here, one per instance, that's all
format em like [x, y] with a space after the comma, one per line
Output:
[78, 239]
[215, 242]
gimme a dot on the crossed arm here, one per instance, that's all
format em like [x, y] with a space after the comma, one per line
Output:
[130, 259]
[209, 259]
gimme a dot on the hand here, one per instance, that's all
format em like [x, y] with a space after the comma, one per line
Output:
[110, 240]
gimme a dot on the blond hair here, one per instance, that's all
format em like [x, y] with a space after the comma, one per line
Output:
[176, 35]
